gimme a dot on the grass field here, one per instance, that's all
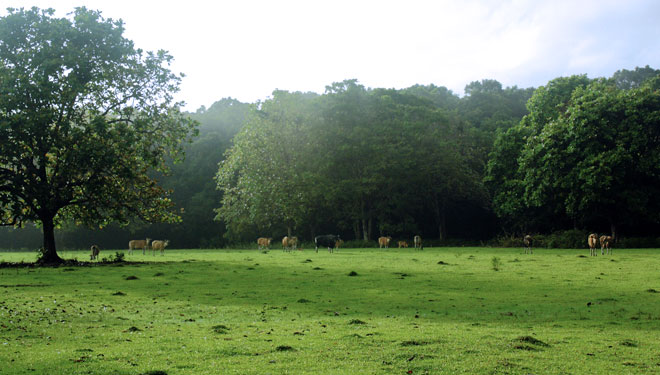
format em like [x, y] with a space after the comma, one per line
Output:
[437, 311]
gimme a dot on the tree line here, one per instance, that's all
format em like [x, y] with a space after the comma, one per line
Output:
[576, 153]
[362, 162]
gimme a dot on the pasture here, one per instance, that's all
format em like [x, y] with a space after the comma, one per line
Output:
[367, 311]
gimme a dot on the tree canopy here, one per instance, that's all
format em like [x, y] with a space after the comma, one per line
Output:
[588, 152]
[84, 116]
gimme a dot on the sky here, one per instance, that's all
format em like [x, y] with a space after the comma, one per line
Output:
[245, 49]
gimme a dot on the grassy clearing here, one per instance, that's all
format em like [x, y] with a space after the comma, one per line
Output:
[442, 310]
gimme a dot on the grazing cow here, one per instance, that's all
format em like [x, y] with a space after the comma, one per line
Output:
[339, 244]
[138, 244]
[326, 240]
[289, 243]
[592, 241]
[95, 252]
[417, 240]
[605, 243]
[527, 241]
[403, 244]
[384, 242]
[263, 242]
[159, 245]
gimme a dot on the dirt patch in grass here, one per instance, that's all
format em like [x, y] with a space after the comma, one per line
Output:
[443, 263]
[357, 321]
[159, 274]
[133, 329]
[352, 273]
[220, 329]
[629, 343]
[131, 278]
[303, 300]
[317, 268]
[119, 294]
[285, 348]
[529, 343]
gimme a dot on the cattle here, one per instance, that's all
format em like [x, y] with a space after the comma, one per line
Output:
[605, 245]
[592, 240]
[417, 240]
[289, 243]
[527, 241]
[339, 244]
[138, 244]
[402, 244]
[326, 240]
[384, 242]
[159, 245]
[264, 242]
[95, 252]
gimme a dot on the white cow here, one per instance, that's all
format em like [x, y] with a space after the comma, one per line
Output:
[417, 240]
[527, 240]
[159, 245]
[138, 244]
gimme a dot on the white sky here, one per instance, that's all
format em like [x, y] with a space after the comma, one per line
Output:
[245, 49]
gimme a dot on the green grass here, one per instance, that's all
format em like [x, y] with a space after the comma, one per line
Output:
[437, 311]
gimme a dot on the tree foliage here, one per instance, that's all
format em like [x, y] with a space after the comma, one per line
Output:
[587, 152]
[356, 159]
[83, 117]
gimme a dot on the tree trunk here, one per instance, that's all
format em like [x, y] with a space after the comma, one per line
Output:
[442, 226]
[371, 226]
[365, 230]
[440, 217]
[49, 254]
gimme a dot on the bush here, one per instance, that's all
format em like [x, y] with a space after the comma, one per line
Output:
[569, 239]
[637, 243]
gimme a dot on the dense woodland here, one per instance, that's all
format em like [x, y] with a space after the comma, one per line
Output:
[575, 154]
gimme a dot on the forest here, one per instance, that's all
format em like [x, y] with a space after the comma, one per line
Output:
[577, 154]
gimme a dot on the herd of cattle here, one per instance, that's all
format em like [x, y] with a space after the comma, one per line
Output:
[146, 244]
[606, 243]
[332, 242]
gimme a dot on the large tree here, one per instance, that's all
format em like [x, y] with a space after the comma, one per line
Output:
[601, 159]
[266, 179]
[84, 115]
[504, 177]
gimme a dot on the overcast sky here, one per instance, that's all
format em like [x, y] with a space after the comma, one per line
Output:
[246, 49]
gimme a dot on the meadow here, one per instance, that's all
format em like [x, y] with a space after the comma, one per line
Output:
[357, 311]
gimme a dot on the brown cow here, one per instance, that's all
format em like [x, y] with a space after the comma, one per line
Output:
[138, 244]
[593, 242]
[159, 245]
[263, 242]
[95, 252]
[527, 241]
[384, 241]
[417, 240]
[339, 243]
[289, 243]
[605, 243]
[403, 244]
